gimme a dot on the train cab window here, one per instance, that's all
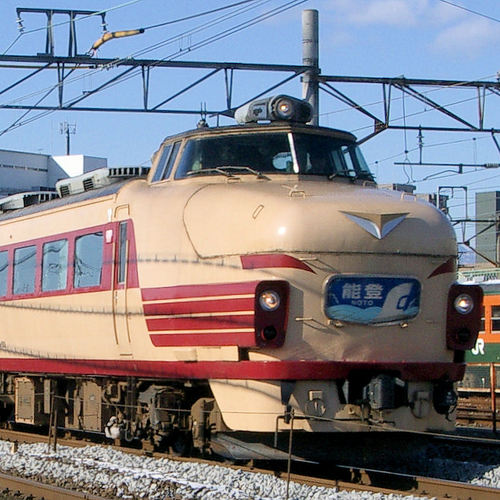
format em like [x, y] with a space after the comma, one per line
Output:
[4, 262]
[243, 154]
[495, 319]
[333, 157]
[55, 265]
[167, 159]
[24, 269]
[279, 153]
[88, 260]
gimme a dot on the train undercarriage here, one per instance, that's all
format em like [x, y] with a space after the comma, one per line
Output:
[175, 416]
[172, 417]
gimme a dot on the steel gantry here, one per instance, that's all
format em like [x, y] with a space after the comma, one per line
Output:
[67, 65]
[407, 86]
[111, 71]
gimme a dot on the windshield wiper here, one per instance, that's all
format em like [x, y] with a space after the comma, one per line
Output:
[226, 170]
[348, 172]
[259, 175]
[217, 170]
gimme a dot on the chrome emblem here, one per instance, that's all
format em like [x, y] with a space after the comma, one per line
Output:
[378, 225]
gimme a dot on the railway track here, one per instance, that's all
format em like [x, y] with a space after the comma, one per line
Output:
[477, 408]
[471, 415]
[19, 487]
[333, 476]
[376, 481]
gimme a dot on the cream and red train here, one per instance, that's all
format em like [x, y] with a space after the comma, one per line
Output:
[257, 272]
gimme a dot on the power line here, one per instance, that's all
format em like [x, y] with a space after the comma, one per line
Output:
[207, 41]
[471, 11]
[197, 15]
[62, 23]
[146, 50]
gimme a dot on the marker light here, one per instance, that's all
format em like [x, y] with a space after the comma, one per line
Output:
[464, 303]
[269, 300]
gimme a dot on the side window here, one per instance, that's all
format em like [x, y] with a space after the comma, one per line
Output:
[171, 160]
[122, 253]
[483, 320]
[348, 159]
[55, 265]
[166, 161]
[88, 260]
[495, 319]
[24, 270]
[4, 263]
[162, 164]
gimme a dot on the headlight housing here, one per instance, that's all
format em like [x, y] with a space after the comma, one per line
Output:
[271, 313]
[463, 316]
[277, 108]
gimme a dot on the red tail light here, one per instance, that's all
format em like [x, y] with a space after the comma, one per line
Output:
[271, 313]
[464, 316]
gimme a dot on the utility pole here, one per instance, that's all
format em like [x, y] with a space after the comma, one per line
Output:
[67, 129]
[310, 57]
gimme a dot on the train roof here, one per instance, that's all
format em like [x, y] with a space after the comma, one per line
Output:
[250, 128]
[62, 202]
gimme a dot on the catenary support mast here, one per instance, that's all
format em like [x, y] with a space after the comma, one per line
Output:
[310, 57]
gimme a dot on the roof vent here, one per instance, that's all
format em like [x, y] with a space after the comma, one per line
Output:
[98, 178]
[21, 200]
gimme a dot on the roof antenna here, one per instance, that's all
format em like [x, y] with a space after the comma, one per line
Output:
[202, 123]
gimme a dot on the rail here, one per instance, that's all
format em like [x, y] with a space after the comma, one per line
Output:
[346, 478]
[17, 486]
[483, 385]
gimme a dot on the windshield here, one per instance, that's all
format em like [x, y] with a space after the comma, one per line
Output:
[273, 153]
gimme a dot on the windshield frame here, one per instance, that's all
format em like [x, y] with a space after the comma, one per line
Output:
[282, 152]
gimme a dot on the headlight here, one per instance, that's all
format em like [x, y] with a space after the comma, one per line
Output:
[284, 109]
[269, 300]
[464, 303]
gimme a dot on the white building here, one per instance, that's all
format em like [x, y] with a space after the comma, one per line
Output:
[22, 172]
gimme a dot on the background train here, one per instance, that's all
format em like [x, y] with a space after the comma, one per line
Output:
[254, 279]
[487, 348]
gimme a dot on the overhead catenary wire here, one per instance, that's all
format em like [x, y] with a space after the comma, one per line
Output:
[208, 40]
[491, 18]
[120, 34]
[62, 23]
[187, 18]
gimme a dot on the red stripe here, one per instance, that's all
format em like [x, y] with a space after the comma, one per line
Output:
[202, 323]
[200, 306]
[263, 261]
[242, 370]
[202, 339]
[447, 267]
[190, 291]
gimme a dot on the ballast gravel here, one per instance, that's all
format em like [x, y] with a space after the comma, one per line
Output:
[108, 472]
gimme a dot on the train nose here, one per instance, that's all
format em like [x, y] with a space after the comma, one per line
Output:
[312, 217]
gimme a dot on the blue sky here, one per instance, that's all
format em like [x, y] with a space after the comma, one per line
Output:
[384, 38]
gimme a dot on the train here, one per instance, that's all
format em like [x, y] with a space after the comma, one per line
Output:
[254, 281]
[487, 347]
